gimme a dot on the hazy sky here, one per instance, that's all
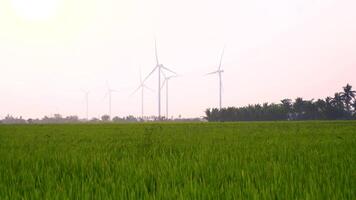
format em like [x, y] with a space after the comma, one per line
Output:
[52, 49]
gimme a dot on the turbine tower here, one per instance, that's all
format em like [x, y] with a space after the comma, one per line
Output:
[142, 86]
[165, 82]
[159, 67]
[109, 94]
[86, 93]
[219, 72]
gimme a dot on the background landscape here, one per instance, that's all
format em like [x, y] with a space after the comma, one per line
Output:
[238, 99]
[51, 50]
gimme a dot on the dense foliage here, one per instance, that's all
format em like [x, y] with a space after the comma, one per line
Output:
[255, 160]
[340, 107]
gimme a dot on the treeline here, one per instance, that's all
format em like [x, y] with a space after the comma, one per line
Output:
[73, 119]
[342, 106]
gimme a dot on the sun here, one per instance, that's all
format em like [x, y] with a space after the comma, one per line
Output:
[36, 10]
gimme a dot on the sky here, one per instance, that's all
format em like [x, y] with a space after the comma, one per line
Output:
[52, 50]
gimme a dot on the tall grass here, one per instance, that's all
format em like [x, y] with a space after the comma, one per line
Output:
[274, 160]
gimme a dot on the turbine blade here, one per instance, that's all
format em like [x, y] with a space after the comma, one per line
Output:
[107, 85]
[140, 75]
[215, 72]
[164, 74]
[150, 89]
[168, 69]
[156, 53]
[85, 91]
[222, 54]
[106, 94]
[154, 69]
[174, 76]
[135, 91]
[164, 82]
[222, 86]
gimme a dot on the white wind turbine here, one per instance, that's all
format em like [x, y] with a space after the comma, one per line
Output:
[86, 93]
[219, 72]
[142, 86]
[109, 94]
[159, 67]
[166, 82]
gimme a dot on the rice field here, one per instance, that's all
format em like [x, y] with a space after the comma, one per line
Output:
[265, 160]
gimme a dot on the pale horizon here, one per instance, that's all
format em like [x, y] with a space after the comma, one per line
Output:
[51, 50]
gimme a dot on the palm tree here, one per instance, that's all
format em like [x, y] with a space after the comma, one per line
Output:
[208, 114]
[299, 108]
[337, 100]
[353, 105]
[338, 107]
[287, 104]
[347, 96]
[329, 108]
[321, 107]
[311, 110]
[287, 107]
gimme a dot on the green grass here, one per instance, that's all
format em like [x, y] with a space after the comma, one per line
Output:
[272, 160]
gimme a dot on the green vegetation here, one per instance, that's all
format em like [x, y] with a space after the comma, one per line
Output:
[266, 160]
[340, 107]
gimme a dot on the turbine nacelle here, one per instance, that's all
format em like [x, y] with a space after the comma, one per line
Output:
[167, 78]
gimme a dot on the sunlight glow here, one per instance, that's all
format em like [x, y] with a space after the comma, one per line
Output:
[36, 10]
[48, 22]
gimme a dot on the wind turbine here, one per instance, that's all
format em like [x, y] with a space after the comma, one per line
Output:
[219, 72]
[86, 93]
[165, 82]
[159, 67]
[109, 94]
[142, 86]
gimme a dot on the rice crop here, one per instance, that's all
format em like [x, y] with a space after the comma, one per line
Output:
[252, 160]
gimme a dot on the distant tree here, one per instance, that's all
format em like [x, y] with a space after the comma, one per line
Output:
[131, 118]
[57, 116]
[13, 120]
[321, 108]
[348, 95]
[338, 107]
[341, 106]
[299, 108]
[117, 119]
[337, 100]
[72, 119]
[208, 115]
[94, 120]
[215, 114]
[354, 107]
[287, 105]
[105, 118]
[329, 109]
[311, 110]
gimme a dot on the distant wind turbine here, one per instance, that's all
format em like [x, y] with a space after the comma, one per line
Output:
[159, 67]
[219, 72]
[142, 86]
[109, 94]
[86, 93]
[166, 82]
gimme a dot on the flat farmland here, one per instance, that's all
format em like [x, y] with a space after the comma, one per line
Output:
[250, 160]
